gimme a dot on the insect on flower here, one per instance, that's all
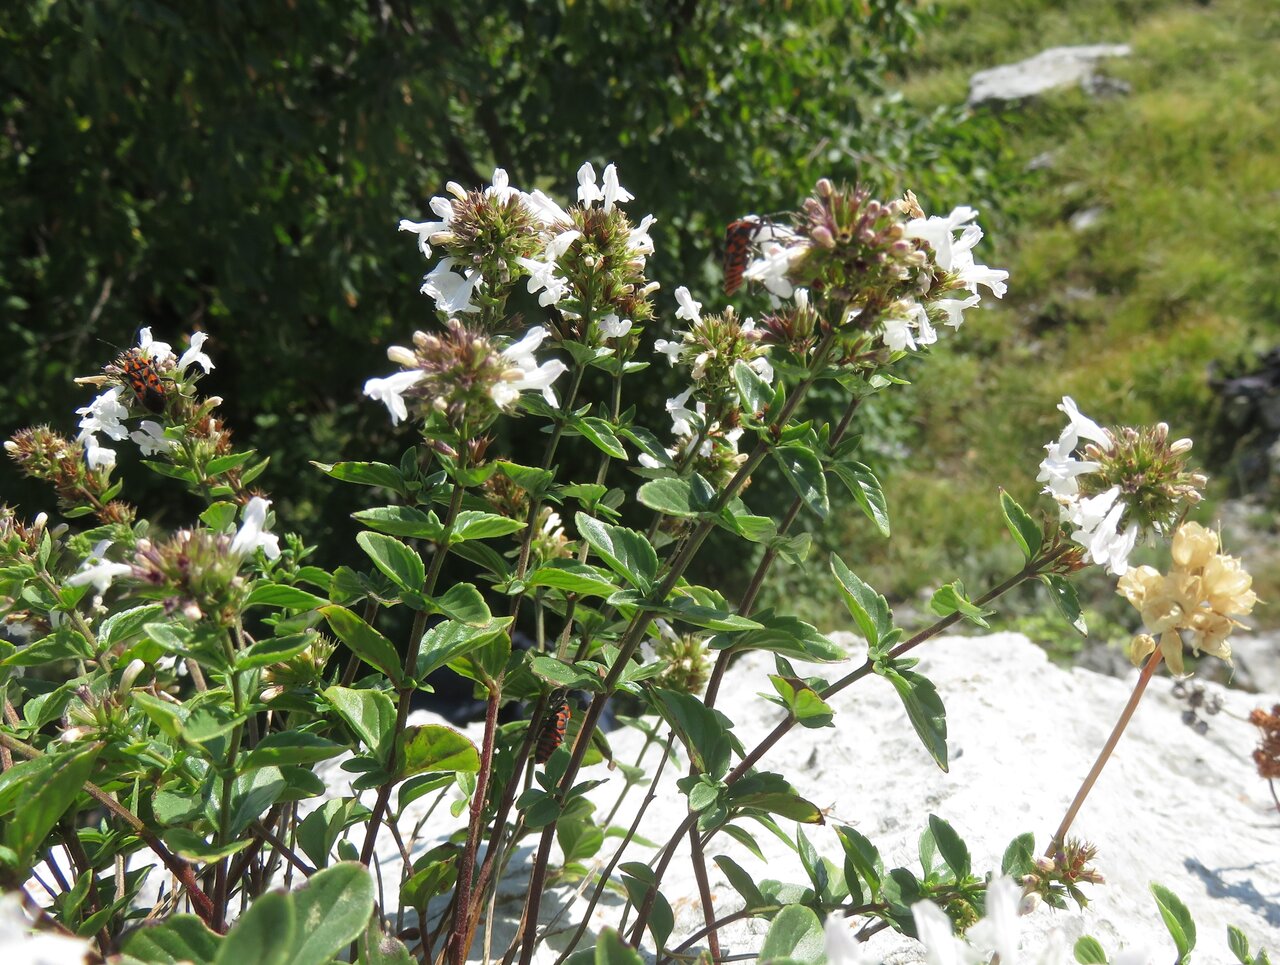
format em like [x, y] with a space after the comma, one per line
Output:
[146, 384]
[737, 248]
[551, 734]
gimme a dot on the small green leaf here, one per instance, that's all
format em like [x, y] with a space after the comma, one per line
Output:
[264, 935]
[951, 846]
[187, 844]
[803, 470]
[290, 747]
[180, 938]
[625, 551]
[742, 883]
[280, 595]
[1182, 929]
[670, 495]
[400, 564]
[572, 577]
[795, 934]
[364, 474]
[119, 627]
[924, 708]
[785, 635]
[612, 950]
[703, 730]
[1021, 527]
[600, 433]
[42, 803]
[405, 521]
[333, 908]
[464, 603]
[1088, 951]
[369, 713]
[1064, 596]
[472, 524]
[274, 650]
[450, 640]
[435, 747]
[638, 878]
[868, 608]
[364, 641]
[755, 392]
[566, 675]
[866, 491]
[861, 861]
[1019, 857]
[1239, 945]
[252, 793]
[950, 599]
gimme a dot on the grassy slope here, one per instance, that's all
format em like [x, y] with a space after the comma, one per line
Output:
[1179, 269]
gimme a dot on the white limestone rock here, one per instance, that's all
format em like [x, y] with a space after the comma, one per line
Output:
[1047, 70]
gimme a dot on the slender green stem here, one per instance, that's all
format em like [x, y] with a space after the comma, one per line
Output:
[1144, 678]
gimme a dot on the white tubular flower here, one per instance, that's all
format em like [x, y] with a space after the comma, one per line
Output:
[771, 268]
[681, 416]
[501, 187]
[954, 309]
[105, 414]
[941, 946]
[999, 930]
[390, 391]
[689, 309]
[150, 438]
[639, 241]
[253, 531]
[525, 372]
[956, 254]
[611, 326]
[840, 946]
[443, 209]
[670, 348]
[614, 193]
[544, 209]
[542, 272]
[159, 353]
[195, 354]
[451, 291]
[897, 334]
[1059, 469]
[588, 191]
[96, 456]
[1080, 427]
[1097, 521]
[98, 570]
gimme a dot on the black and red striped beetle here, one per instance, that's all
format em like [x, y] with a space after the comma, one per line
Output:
[554, 722]
[146, 384]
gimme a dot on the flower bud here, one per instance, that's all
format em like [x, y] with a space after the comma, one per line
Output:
[823, 237]
[402, 356]
[825, 188]
[130, 674]
[1180, 446]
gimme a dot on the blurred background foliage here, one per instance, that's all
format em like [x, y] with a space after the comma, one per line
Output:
[240, 168]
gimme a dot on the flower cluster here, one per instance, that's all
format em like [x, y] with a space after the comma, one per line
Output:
[685, 658]
[1129, 481]
[1266, 756]
[105, 415]
[1203, 593]
[587, 261]
[892, 270]
[464, 377]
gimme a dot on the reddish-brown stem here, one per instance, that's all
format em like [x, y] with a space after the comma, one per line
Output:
[1144, 678]
[704, 892]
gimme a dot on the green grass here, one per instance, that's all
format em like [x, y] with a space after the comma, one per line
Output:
[1181, 269]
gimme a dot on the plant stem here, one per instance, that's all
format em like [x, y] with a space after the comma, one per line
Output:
[704, 892]
[1144, 678]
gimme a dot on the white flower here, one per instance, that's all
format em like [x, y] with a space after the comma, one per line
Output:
[614, 193]
[253, 531]
[639, 241]
[954, 308]
[681, 416]
[999, 930]
[443, 208]
[159, 353]
[391, 390]
[524, 371]
[96, 456]
[105, 414]
[956, 254]
[501, 188]
[611, 326]
[941, 946]
[542, 271]
[1059, 470]
[771, 268]
[195, 355]
[544, 209]
[588, 191]
[1097, 521]
[689, 309]
[670, 348]
[20, 944]
[451, 291]
[97, 570]
[897, 334]
[840, 946]
[1080, 426]
[150, 438]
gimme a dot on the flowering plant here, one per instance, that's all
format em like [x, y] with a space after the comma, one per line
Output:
[169, 699]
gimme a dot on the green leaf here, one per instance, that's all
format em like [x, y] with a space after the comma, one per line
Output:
[861, 861]
[280, 595]
[565, 675]
[1064, 596]
[333, 908]
[252, 794]
[63, 644]
[1088, 951]
[119, 627]
[420, 786]
[950, 599]
[578, 839]
[1021, 527]
[464, 603]
[405, 521]
[434, 747]
[1239, 945]
[782, 634]
[625, 551]
[572, 577]
[795, 934]
[41, 803]
[220, 517]
[803, 470]
[808, 709]
[638, 879]
[612, 950]
[670, 495]
[379, 948]
[429, 878]
[703, 730]
[766, 791]
[400, 564]
[290, 747]
[274, 650]
[755, 392]
[187, 844]
[450, 640]
[319, 831]
[365, 642]
[601, 435]
[369, 713]
[924, 708]
[868, 608]
[742, 883]
[867, 492]
[1019, 857]
[951, 846]
[1182, 929]
[364, 474]
[168, 717]
[264, 935]
[180, 938]
[472, 524]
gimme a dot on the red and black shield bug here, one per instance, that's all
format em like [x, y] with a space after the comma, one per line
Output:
[146, 384]
[551, 734]
[737, 248]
